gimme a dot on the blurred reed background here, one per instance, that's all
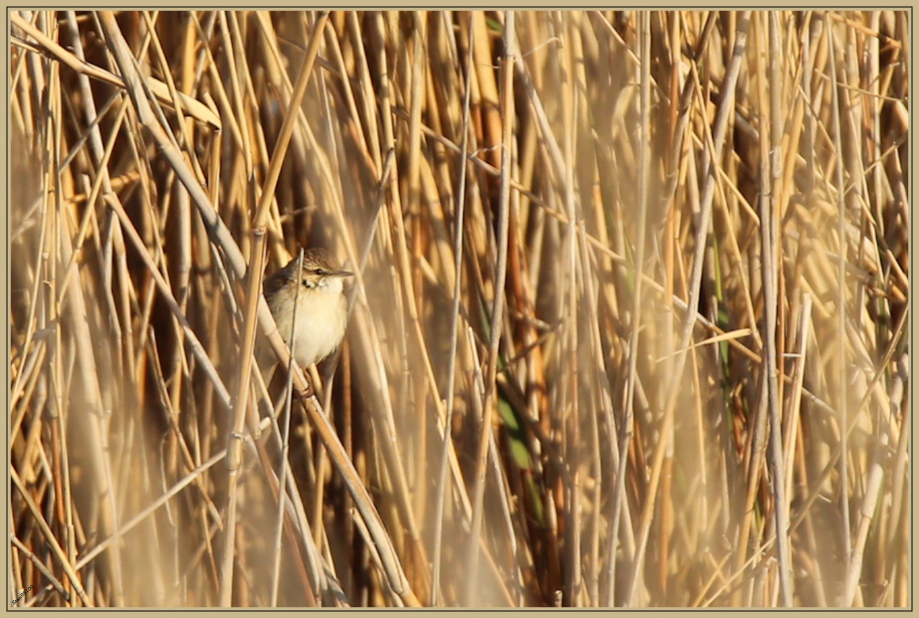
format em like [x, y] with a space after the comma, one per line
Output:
[532, 200]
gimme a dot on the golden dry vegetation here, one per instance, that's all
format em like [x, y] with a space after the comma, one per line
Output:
[631, 299]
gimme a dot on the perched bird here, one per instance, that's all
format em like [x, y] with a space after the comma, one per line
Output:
[317, 291]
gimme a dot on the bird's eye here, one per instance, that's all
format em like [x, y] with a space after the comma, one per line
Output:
[320, 271]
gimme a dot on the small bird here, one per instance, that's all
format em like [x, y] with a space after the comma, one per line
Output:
[322, 309]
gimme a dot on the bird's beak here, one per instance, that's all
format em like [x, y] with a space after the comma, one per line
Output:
[343, 273]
